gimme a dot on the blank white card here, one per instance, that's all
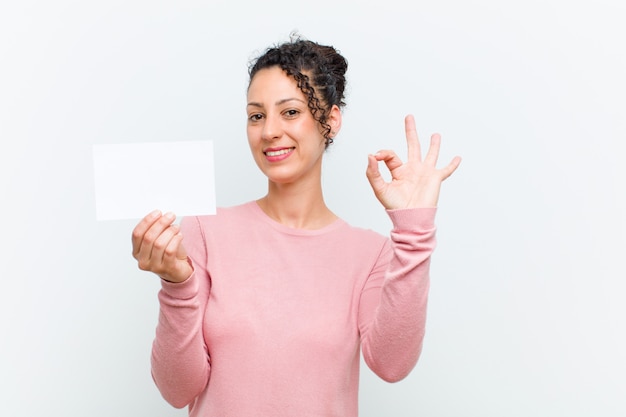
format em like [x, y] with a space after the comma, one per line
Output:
[133, 179]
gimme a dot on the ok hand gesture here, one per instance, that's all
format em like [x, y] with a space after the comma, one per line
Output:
[415, 183]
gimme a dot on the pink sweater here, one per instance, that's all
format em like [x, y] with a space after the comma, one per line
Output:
[271, 321]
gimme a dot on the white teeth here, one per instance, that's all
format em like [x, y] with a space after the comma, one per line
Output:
[276, 153]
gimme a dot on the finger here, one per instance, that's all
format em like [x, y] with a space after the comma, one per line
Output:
[160, 254]
[451, 167]
[152, 234]
[414, 151]
[433, 150]
[140, 230]
[391, 160]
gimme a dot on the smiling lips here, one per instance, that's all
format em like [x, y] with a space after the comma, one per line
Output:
[277, 154]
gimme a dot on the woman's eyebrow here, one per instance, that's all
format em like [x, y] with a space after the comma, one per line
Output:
[278, 103]
[285, 100]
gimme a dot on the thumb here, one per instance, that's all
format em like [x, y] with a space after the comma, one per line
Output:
[181, 253]
[182, 267]
[373, 175]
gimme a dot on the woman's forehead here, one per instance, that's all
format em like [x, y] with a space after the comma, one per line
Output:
[273, 84]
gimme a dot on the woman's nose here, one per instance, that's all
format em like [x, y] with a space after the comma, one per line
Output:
[271, 128]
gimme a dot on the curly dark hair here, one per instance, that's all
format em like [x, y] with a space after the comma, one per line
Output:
[317, 69]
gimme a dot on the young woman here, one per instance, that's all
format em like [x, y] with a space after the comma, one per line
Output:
[265, 307]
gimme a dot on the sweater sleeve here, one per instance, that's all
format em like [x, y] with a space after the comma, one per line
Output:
[180, 360]
[392, 309]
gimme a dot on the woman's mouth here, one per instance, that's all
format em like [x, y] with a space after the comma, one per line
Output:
[278, 152]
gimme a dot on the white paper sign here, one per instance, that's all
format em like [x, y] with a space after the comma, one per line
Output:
[133, 179]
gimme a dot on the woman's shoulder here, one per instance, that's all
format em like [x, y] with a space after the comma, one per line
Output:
[224, 218]
[362, 236]
[240, 211]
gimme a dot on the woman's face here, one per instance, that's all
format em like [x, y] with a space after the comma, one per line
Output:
[284, 138]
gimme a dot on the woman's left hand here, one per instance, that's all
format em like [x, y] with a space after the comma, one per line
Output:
[415, 183]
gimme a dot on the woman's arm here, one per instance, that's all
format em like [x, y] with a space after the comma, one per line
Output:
[392, 310]
[180, 359]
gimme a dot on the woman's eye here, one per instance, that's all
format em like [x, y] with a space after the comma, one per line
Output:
[291, 113]
[255, 117]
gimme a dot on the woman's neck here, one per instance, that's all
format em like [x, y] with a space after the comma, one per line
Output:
[298, 207]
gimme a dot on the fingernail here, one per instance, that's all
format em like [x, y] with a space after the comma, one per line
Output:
[154, 214]
[169, 215]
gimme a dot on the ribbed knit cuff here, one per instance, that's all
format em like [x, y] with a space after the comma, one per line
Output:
[181, 290]
[413, 219]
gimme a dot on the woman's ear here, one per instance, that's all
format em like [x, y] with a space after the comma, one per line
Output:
[334, 120]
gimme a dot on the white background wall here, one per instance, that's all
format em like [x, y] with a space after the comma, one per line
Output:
[526, 312]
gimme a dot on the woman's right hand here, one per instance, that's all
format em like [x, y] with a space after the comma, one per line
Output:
[157, 247]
